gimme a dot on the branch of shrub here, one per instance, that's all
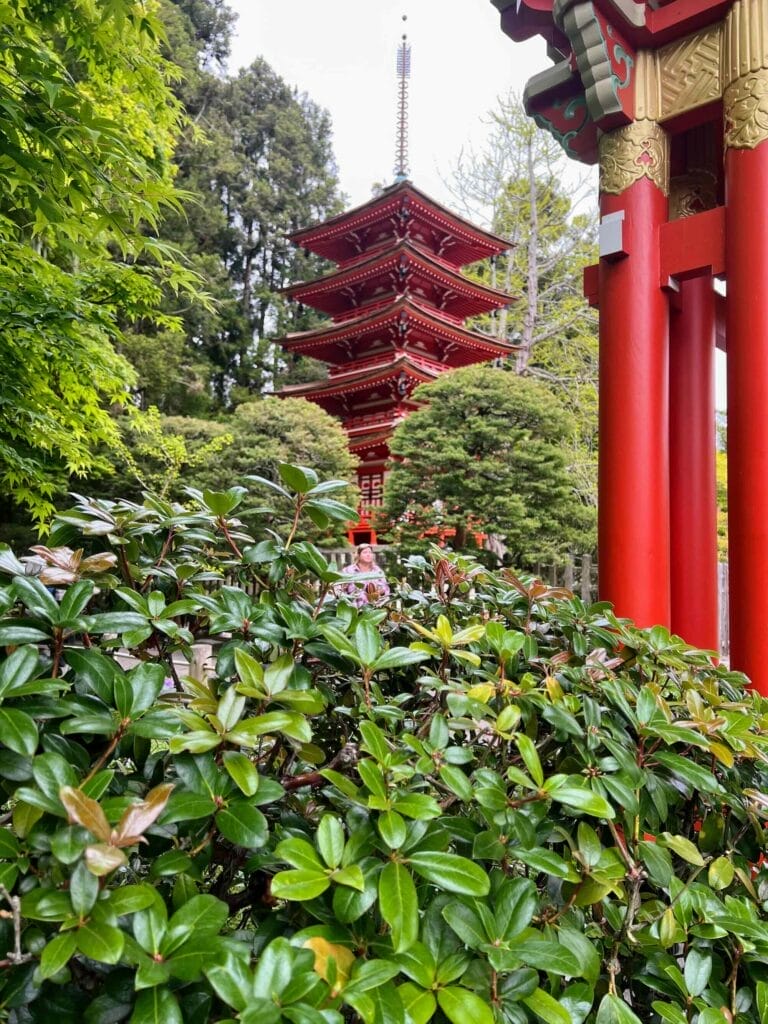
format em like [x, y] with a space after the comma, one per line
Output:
[16, 957]
[109, 751]
[347, 757]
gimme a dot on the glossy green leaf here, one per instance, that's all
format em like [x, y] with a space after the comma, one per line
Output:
[544, 860]
[18, 668]
[467, 924]
[697, 971]
[129, 899]
[299, 885]
[248, 732]
[419, 1004]
[720, 873]
[584, 800]
[689, 772]
[11, 635]
[243, 825]
[399, 905]
[546, 955]
[57, 953]
[18, 731]
[299, 854]
[392, 829]
[298, 478]
[202, 915]
[242, 771]
[613, 1010]
[100, 941]
[331, 840]
[9, 844]
[156, 1006]
[398, 657]
[451, 872]
[83, 890]
[461, 1006]
[530, 757]
[517, 903]
[683, 847]
[547, 1008]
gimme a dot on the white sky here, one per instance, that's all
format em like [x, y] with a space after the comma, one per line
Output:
[342, 54]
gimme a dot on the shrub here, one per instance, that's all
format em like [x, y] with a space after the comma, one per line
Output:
[483, 802]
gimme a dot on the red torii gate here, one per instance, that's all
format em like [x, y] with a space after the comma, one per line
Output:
[671, 98]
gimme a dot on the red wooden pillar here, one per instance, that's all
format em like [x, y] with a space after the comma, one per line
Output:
[633, 508]
[693, 484]
[747, 331]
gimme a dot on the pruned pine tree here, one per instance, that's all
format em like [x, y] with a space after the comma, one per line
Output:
[486, 454]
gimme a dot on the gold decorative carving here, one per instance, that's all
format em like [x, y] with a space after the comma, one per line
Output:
[745, 106]
[647, 91]
[689, 72]
[635, 151]
[680, 76]
[745, 42]
[691, 193]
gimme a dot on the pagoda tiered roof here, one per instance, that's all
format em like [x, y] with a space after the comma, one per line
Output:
[398, 301]
[373, 385]
[402, 324]
[389, 273]
[400, 211]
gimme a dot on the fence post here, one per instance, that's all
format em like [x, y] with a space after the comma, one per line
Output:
[568, 574]
[586, 578]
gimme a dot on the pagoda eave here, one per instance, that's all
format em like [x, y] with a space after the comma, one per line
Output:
[395, 325]
[338, 237]
[382, 384]
[388, 275]
[641, 24]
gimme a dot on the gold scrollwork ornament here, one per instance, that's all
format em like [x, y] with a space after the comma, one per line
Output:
[635, 151]
[745, 104]
[691, 193]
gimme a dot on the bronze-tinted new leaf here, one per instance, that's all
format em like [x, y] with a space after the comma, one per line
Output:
[137, 819]
[86, 812]
[97, 563]
[63, 565]
[101, 859]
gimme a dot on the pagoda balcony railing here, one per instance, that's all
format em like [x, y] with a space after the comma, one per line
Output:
[383, 302]
[363, 309]
[382, 360]
[381, 419]
[388, 243]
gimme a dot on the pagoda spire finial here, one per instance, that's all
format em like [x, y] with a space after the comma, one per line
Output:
[403, 74]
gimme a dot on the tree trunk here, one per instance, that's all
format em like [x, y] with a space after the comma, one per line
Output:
[532, 277]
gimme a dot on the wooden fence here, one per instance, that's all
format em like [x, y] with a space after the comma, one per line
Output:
[579, 574]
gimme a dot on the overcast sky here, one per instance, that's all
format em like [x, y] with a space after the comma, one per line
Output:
[342, 54]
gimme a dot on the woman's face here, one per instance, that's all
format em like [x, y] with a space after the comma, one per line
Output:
[365, 556]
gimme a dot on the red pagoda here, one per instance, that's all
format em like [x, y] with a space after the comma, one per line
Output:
[397, 302]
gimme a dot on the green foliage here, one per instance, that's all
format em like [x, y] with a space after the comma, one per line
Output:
[487, 452]
[721, 464]
[167, 454]
[87, 128]
[523, 186]
[492, 805]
